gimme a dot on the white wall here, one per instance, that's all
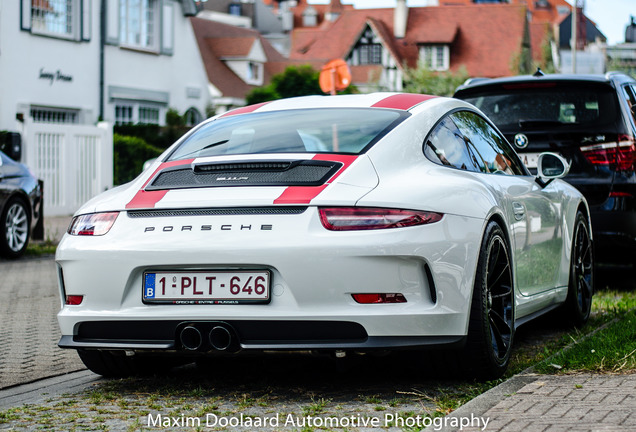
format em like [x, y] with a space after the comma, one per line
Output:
[181, 74]
[24, 55]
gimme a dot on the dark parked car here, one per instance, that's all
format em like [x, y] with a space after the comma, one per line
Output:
[588, 119]
[20, 206]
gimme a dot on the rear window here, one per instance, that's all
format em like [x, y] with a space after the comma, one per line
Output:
[548, 105]
[341, 130]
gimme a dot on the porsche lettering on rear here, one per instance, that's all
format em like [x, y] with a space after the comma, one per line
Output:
[226, 227]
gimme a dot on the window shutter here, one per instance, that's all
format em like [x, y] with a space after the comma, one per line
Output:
[167, 27]
[112, 22]
[86, 20]
[25, 15]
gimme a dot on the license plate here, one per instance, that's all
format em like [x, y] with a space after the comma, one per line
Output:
[529, 159]
[203, 287]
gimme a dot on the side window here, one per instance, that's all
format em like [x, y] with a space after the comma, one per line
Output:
[630, 92]
[488, 148]
[446, 146]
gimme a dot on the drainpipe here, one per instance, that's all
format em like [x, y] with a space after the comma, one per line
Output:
[102, 42]
[574, 36]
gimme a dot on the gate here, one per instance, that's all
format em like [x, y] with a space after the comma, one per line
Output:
[74, 161]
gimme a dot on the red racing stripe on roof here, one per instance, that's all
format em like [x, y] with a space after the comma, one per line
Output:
[403, 101]
[148, 199]
[304, 194]
[244, 110]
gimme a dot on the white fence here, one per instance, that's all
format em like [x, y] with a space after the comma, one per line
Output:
[75, 162]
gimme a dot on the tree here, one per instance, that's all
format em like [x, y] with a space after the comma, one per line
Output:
[425, 81]
[295, 81]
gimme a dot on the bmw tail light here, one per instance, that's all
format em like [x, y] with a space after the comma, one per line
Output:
[94, 224]
[365, 218]
[620, 156]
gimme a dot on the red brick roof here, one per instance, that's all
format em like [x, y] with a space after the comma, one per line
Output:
[484, 40]
[217, 40]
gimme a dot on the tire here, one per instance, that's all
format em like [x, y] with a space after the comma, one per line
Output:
[578, 303]
[15, 228]
[491, 325]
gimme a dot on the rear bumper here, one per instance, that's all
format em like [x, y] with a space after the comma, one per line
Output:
[246, 335]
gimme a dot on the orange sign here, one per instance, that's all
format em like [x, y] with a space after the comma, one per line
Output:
[335, 76]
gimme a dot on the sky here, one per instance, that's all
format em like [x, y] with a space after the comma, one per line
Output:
[611, 16]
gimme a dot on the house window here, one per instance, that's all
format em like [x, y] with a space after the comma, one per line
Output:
[134, 113]
[56, 17]
[368, 49]
[54, 115]
[123, 115]
[234, 9]
[254, 72]
[138, 23]
[435, 57]
[192, 117]
[148, 115]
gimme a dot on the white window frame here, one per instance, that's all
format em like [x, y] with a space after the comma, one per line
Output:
[139, 113]
[41, 114]
[435, 57]
[148, 15]
[36, 19]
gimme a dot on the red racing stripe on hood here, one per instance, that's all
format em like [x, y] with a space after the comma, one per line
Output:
[244, 110]
[148, 199]
[304, 194]
[404, 101]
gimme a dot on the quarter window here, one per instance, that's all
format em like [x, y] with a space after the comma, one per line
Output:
[446, 146]
[489, 149]
[465, 141]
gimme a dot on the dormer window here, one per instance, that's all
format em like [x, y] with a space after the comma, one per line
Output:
[254, 72]
[368, 50]
[234, 9]
[435, 57]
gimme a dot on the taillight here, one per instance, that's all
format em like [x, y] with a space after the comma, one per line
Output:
[366, 218]
[619, 156]
[74, 300]
[379, 298]
[94, 224]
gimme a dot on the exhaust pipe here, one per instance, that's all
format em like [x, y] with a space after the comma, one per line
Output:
[191, 338]
[220, 338]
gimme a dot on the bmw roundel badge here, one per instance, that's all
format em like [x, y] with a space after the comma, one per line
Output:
[521, 140]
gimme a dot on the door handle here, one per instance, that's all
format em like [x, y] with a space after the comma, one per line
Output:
[519, 210]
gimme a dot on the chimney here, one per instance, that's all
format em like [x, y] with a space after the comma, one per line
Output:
[334, 10]
[400, 17]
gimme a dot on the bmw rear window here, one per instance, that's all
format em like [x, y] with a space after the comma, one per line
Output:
[324, 130]
[545, 105]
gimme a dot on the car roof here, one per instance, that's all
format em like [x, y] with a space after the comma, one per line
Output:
[400, 101]
[608, 78]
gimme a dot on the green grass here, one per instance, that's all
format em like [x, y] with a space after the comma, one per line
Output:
[40, 248]
[611, 349]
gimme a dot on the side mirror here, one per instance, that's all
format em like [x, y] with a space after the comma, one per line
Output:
[551, 166]
[11, 145]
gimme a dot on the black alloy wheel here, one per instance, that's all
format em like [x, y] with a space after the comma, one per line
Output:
[491, 327]
[581, 286]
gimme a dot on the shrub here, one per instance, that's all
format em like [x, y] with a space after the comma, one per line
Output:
[130, 154]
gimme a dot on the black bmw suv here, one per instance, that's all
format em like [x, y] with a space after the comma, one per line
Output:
[588, 119]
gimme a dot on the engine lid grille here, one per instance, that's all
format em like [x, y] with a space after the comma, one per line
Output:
[260, 173]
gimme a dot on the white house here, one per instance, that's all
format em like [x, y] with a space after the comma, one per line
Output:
[152, 62]
[70, 69]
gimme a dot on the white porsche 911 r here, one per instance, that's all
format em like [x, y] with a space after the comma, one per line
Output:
[326, 223]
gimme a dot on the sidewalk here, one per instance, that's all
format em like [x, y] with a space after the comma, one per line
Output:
[547, 403]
